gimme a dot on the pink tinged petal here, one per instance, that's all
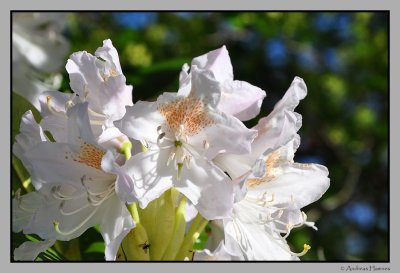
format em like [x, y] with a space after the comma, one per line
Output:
[101, 85]
[141, 122]
[275, 130]
[282, 124]
[28, 251]
[147, 176]
[207, 187]
[110, 54]
[241, 100]
[115, 225]
[228, 134]
[218, 62]
[205, 87]
[293, 184]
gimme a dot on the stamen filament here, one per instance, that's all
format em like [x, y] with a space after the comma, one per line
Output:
[53, 111]
[306, 248]
[67, 233]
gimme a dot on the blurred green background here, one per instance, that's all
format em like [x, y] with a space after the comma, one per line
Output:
[343, 58]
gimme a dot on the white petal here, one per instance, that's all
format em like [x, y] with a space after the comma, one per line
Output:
[184, 81]
[124, 186]
[27, 84]
[220, 254]
[54, 116]
[275, 130]
[207, 187]
[29, 250]
[53, 163]
[205, 87]
[256, 242]
[241, 99]
[24, 208]
[141, 122]
[79, 124]
[218, 62]
[116, 223]
[302, 183]
[217, 234]
[147, 176]
[31, 134]
[190, 213]
[97, 81]
[75, 216]
[228, 134]
[282, 124]
[110, 54]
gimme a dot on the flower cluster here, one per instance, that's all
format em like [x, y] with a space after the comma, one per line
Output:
[153, 175]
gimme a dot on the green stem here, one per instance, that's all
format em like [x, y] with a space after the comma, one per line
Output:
[198, 225]
[179, 231]
[22, 174]
[134, 212]
[164, 222]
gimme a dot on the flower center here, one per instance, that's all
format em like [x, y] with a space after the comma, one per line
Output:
[89, 154]
[189, 112]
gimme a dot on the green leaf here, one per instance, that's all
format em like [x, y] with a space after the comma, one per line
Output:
[174, 64]
[96, 247]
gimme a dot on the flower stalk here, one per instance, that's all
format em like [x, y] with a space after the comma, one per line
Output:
[179, 231]
[197, 227]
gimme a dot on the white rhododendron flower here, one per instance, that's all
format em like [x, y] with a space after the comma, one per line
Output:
[99, 81]
[183, 132]
[237, 98]
[198, 163]
[73, 190]
[38, 53]
[275, 130]
[270, 206]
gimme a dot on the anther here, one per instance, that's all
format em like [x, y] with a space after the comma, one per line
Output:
[206, 145]
[306, 248]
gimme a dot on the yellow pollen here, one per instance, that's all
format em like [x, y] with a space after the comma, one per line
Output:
[189, 112]
[90, 155]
